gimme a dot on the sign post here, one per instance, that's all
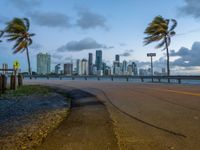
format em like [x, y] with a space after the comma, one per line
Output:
[151, 55]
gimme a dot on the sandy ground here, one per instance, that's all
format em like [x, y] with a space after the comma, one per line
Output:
[148, 116]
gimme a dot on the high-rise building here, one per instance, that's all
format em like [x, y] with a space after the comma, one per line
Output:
[5, 67]
[78, 67]
[99, 59]
[135, 71]
[124, 67]
[43, 63]
[90, 64]
[57, 69]
[117, 58]
[68, 69]
[130, 70]
[84, 67]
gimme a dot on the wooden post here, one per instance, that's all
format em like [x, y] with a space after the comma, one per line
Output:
[20, 80]
[1, 85]
[13, 82]
[4, 83]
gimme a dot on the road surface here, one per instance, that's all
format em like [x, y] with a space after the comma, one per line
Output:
[146, 116]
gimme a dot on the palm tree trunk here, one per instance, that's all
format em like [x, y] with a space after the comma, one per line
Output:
[167, 49]
[29, 64]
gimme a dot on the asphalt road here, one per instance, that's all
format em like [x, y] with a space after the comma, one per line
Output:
[147, 116]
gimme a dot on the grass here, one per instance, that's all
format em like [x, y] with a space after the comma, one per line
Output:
[26, 90]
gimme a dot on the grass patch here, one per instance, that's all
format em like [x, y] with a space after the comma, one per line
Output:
[26, 90]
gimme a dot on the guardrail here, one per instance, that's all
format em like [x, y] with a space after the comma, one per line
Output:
[178, 79]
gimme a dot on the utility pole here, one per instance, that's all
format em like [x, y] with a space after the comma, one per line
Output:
[151, 55]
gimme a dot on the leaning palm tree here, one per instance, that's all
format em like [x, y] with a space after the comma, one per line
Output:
[18, 30]
[162, 30]
[1, 34]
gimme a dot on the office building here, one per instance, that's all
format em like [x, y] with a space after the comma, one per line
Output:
[90, 64]
[57, 69]
[68, 69]
[43, 63]
[78, 66]
[129, 70]
[124, 67]
[135, 71]
[84, 67]
[99, 59]
[117, 58]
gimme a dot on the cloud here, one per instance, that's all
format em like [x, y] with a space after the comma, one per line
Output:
[90, 20]
[191, 8]
[84, 44]
[56, 56]
[187, 57]
[25, 4]
[127, 53]
[122, 44]
[50, 19]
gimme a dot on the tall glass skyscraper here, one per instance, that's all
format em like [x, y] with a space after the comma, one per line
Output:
[90, 64]
[43, 63]
[99, 60]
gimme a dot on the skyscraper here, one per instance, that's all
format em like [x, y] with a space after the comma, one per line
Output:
[90, 64]
[57, 69]
[84, 67]
[124, 67]
[99, 59]
[135, 71]
[68, 69]
[43, 63]
[117, 58]
[78, 67]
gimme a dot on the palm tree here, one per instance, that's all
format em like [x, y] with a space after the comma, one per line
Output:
[18, 30]
[1, 34]
[162, 30]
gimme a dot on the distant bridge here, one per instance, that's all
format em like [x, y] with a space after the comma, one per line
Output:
[169, 79]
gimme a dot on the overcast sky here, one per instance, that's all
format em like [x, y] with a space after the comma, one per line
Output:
[70, 29]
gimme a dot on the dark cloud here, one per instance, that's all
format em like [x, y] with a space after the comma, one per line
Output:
[127, 53]
[50, 19]
[23, 5]
[56, 56]
[187, 57]
[191, 7]
[84, 44]
[88, 20]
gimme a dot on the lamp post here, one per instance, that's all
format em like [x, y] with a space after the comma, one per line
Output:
[151, 55]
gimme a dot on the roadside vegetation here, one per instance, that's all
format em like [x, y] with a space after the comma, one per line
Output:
[26, 90]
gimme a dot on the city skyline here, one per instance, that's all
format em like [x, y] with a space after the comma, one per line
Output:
[80, 28]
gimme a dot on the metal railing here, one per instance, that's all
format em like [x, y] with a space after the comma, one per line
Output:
[159, 79]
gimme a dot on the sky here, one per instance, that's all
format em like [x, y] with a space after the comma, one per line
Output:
[70, 29]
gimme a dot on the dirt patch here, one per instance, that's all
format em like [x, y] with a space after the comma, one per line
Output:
[27, 120]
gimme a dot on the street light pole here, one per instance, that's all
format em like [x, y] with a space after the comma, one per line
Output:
[151, 55]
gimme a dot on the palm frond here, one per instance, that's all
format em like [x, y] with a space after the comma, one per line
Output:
[27, 23]
[174, 24]
[161, 44]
